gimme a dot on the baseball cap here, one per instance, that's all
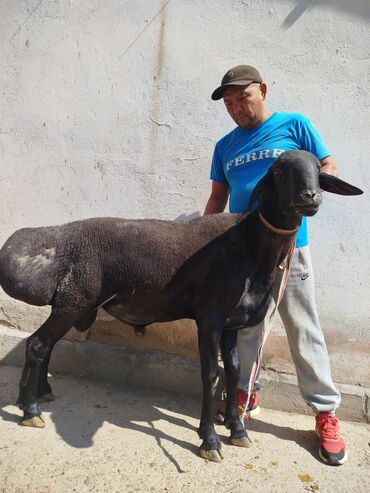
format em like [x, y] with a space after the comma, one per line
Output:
[241, 75]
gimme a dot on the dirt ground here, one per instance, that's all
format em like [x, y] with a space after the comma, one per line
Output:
[100, 438]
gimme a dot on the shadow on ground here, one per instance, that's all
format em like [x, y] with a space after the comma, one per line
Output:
[81, 408]
[304, 438]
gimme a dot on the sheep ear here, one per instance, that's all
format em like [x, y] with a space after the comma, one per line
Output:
[258, 189]
[332, 184]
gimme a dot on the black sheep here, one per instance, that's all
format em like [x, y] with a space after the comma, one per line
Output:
[218, 270]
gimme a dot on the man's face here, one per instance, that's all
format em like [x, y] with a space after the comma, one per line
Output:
[245, 104]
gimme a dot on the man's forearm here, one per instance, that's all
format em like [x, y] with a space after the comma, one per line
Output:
[214, 206]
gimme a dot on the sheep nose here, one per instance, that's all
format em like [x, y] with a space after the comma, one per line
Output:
[309, 194]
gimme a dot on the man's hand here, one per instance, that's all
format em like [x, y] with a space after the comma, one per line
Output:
[328, 166]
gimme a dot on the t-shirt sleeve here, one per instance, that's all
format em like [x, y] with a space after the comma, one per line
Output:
[217, 172]
[310, 139]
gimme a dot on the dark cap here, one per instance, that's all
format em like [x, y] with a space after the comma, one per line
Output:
[241, 75]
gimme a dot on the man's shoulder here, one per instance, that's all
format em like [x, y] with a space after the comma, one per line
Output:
[229, 137]
[285, 117]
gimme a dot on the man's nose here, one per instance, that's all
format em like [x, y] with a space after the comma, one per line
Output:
[236, 108]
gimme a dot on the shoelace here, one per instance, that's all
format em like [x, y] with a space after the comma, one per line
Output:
[328, 426]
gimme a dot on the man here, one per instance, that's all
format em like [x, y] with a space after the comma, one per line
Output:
[240, 159]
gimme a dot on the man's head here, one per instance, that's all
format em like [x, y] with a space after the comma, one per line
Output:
[244, 92]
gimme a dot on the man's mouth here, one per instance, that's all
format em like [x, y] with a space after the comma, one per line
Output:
[241, 118]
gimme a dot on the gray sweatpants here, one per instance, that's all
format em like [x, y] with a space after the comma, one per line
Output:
[306, 341]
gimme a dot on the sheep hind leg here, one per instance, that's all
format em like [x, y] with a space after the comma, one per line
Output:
[38, 350]
[44, 390]
[230, 356]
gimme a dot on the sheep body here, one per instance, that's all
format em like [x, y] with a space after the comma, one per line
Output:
[143, 264]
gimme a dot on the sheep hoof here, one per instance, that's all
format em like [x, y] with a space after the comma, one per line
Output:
[211, 455]
[35, 422]
[46, 397]
[245, 442]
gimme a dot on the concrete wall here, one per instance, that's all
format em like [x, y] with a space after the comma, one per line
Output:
[106, 111]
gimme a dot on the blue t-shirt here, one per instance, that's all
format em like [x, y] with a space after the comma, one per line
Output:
[243, 156]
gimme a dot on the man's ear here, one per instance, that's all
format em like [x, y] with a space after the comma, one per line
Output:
[332, 184]
[263, 89]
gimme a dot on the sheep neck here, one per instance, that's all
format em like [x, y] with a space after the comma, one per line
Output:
[276, 230]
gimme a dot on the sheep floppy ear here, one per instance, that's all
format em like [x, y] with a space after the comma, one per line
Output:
[332, 184]
[264, 182]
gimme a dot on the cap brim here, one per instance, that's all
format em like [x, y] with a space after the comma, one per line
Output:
[219, 92]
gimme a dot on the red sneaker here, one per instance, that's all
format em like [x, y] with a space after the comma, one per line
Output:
[333, 450]
[241, 397]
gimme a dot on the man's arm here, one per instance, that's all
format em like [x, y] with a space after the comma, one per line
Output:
[328, 165]
[311, 141]
[218, 198]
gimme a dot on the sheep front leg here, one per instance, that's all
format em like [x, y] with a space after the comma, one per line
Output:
[230, 356]
[208, 338]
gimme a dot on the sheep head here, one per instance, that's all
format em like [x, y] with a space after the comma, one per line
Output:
[294, 184]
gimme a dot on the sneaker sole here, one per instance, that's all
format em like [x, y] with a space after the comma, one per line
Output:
[338, 462]
[254, 412]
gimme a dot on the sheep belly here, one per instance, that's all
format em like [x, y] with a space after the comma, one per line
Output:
[147, 308]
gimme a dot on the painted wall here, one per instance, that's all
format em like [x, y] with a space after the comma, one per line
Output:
[106, 111]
